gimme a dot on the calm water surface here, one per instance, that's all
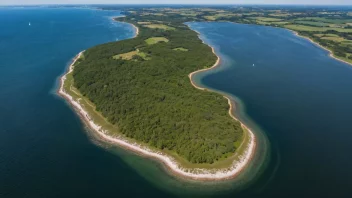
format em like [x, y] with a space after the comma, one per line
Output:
[298, 95]
[44, 149]
[294, 92]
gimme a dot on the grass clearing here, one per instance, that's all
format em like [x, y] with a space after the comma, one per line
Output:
[129, 55]
[326, 35]
[253, 13]
[333, 38]
[189, 14]
[144, 22]
[263, 23]
[280, 14]
[155, 40]
[347, 42]
[159, 26]
[152, 13]
[313, 23]
[181, 49]
[325, 20]
[220, 15]
[266, 19]
[210, 18]
[280, 23]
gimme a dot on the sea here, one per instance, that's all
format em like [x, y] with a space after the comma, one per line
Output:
[296, 97]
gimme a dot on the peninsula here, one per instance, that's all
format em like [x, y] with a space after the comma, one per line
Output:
[138, 93]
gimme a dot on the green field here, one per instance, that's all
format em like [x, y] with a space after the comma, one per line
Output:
[313, 23]
[326, 35]
[221, 15]
[155, 40]
[144, 22]
[266, 19]
[333, 38]
[251, 13]
[315, 29]
[279, 23]
[159, 26]
[181, 49]
[130, 55]
[280, 14]
[325, 20]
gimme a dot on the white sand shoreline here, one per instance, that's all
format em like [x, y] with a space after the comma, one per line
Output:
[137, 30]
[194, 173]
[135, 27]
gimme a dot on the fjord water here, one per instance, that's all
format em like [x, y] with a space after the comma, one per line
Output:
[298, 95]
[44, 149]
[294, 92]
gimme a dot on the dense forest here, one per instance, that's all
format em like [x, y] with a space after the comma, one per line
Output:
[151, 99]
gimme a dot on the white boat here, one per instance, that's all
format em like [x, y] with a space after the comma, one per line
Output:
[29, 24]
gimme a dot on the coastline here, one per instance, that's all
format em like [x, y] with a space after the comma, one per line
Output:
[253, 143]
[331, 54]
[171, 164]
[136, 30]
[134, 26]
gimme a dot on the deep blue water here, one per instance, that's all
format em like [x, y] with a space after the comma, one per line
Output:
[44, 149]
[298, 95]
[294, 92]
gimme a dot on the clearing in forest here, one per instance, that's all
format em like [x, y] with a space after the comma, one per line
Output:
[159, 26]
[129, 55]
[181, 49]
[155, 40]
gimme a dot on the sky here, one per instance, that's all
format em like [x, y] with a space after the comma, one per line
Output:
[305, 2]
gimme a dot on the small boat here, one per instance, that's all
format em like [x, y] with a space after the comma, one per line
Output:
[253, 65]
[29, 24]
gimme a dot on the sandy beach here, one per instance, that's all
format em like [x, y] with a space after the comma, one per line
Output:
[135, 27]
[137, 30]
[171, 164]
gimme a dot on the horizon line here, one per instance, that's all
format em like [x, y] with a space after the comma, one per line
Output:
[50, 4]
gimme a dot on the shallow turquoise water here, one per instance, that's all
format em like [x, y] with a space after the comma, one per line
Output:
[294, 93]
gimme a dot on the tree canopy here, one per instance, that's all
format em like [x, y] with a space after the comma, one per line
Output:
[152, 100]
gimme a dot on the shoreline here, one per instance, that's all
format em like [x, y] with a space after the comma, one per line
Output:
[253, 142]
[331, 54]
[134, 26]
[170, 163]
[136, 30]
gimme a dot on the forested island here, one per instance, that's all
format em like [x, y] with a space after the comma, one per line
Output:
[141, 89]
